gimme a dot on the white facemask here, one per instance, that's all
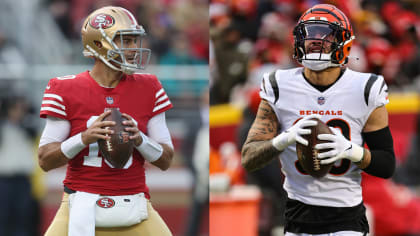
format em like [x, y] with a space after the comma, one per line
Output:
[128, 70]
[317, 65]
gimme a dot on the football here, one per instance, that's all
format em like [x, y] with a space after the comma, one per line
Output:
[119, 148]
[307, 154]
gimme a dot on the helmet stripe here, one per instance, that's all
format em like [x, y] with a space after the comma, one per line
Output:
[133, 20]
[327, 11]
[348, 25]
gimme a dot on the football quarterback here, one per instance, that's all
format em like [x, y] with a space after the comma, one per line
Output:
[99, 198]
[351, 102]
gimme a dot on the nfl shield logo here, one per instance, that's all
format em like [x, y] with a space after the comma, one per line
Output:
[109, 100]
[321, 100]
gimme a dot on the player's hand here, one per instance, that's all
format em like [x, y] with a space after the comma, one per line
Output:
[341, 148]
[293, 134]
[133, 129]
[98, 130]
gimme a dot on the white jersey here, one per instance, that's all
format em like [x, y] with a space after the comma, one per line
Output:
[347, 105]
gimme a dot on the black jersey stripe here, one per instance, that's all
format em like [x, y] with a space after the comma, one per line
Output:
[382, 86]
[273, 83]
[368, 87]
[263, 86]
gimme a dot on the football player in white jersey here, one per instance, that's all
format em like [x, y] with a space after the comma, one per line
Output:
[350, 101]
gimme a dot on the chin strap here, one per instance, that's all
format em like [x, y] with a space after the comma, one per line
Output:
[127, 70]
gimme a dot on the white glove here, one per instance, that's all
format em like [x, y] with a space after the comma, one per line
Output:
[293, 134]
[341, 148]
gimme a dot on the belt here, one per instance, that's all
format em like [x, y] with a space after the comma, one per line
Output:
[67, 190]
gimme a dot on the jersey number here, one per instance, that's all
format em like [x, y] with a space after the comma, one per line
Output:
[94, 159]
[345, 163]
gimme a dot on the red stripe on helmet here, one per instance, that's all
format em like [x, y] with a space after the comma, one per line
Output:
[133, 20]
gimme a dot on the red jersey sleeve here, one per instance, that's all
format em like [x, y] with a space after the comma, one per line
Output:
[53, 103]
[162, 102]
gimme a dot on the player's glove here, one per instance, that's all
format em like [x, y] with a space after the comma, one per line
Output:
[341, 148]
[293, 134]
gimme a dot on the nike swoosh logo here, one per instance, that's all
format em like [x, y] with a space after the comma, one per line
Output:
[351, 145]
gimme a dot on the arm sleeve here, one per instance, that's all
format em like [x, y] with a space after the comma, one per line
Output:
[381, 147]
[161, 100]
[55, 130]
[158, 131]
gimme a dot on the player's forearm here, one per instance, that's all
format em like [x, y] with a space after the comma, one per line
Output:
[165, 160]
[50, 156]
[258, 149]
[381, 160]
[257, 154]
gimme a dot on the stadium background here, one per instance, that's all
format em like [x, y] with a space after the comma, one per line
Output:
[40, 39]
[250, 38]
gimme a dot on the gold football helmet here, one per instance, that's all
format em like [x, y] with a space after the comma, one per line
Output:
[99, 32]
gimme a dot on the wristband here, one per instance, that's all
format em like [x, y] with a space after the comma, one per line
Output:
[358, 153]
[149, 149]
[280, 141]
[72, 146]
[363, 157]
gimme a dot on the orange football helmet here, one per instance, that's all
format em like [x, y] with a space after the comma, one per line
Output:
[330, 30]
[102, 27]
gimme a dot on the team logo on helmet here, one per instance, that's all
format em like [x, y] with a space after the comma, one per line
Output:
[102, 20]
[105, 202]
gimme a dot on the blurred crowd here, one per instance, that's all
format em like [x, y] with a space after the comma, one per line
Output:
[177, 29]
[19, 175]
[250, 37]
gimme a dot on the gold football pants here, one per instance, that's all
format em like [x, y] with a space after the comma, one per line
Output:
[154, 225]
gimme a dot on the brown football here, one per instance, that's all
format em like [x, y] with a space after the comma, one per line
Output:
[119, 148]
[306, 154]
